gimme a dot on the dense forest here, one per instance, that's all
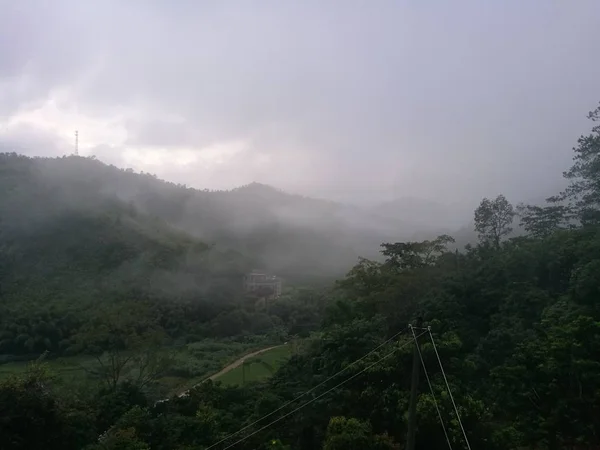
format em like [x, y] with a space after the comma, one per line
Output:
[73, 253]
[516, 322]
[291, 235]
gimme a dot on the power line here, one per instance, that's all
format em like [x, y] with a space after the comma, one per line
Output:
[449, 391]
[307, 392]
[431, 388]
[411, 431]
[319, 396]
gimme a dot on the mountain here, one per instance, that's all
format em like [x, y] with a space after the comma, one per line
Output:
[77, 263]
[291, 235]
[81, 240]
[61, 236]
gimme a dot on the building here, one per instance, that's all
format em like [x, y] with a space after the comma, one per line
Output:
[262, 284]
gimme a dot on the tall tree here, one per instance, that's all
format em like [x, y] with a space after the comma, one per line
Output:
[412, 255]
[583, 192]
[540, 221]
[31, 415]
[493, 220]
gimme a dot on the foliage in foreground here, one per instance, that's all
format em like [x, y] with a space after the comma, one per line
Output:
[516, 322]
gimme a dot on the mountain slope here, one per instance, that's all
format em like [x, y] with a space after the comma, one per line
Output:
[291, 235]
[76, 263]
[61, 239]
[288, 234]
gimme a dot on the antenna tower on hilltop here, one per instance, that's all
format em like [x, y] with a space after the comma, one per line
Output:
[76, 143]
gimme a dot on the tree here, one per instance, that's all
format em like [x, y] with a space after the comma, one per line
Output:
[31, 415]
[540, 221]
[583, 192]
[111, 404]
[353, 434]
[121, 440]
[411, 255]
[493, 219]
[125, 348]
[551, 381]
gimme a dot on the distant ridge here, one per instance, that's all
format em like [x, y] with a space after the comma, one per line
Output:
[290, 234]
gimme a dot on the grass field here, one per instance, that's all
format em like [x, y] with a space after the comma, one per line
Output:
[71, 369]
[191, 364]
[257, 368]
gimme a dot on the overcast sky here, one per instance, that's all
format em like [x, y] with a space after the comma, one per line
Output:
[449, 100]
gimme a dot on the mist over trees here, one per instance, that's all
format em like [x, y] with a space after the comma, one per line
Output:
[516, 321]
[284, 233]
[493, 219]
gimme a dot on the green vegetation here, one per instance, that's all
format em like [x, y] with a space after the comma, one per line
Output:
[257, 368]
[516, 322]
[199, 360]
[70, 369]
[184, 366]
[301, 239]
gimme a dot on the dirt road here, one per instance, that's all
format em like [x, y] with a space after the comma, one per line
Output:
[233, 365]
[239, 362]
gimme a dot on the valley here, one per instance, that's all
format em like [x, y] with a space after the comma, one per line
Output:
[138, 314]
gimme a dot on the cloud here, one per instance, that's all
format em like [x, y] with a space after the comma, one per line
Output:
[31, 141]
[337, 99]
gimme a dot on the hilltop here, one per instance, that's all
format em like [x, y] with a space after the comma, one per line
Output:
[79, 239]
[292, 235]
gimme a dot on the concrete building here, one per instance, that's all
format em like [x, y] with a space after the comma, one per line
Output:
[262, 284]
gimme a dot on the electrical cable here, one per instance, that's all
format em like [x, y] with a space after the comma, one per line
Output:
[431, 388]
[307, 392]
[317, 397]
[449, 390]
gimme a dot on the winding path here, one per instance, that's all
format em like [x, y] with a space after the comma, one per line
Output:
[232, 366]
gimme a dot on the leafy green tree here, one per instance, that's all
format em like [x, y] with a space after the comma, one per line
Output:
[31, 414]
[551, 381]
[493, 219]
[353, 434]
[540, 221]
[111, 404]
[121, 440]
[412, 255]
[583, 192]
[347, 434]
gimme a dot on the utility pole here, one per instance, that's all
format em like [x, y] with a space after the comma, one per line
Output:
[76, 143]
[414, 392]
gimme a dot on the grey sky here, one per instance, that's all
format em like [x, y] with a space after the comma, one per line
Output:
[452, 100]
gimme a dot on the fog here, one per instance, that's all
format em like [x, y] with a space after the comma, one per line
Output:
[351, 101]
[254, 226]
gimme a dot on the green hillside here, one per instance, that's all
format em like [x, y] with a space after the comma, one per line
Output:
[508, 332]
[69, 254]
[281, 232]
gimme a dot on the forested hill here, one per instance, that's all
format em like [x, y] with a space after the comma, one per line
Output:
[516, 322]
[290, 235]
[55, 217]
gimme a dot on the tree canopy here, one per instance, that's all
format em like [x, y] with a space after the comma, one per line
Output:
[516, 322]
